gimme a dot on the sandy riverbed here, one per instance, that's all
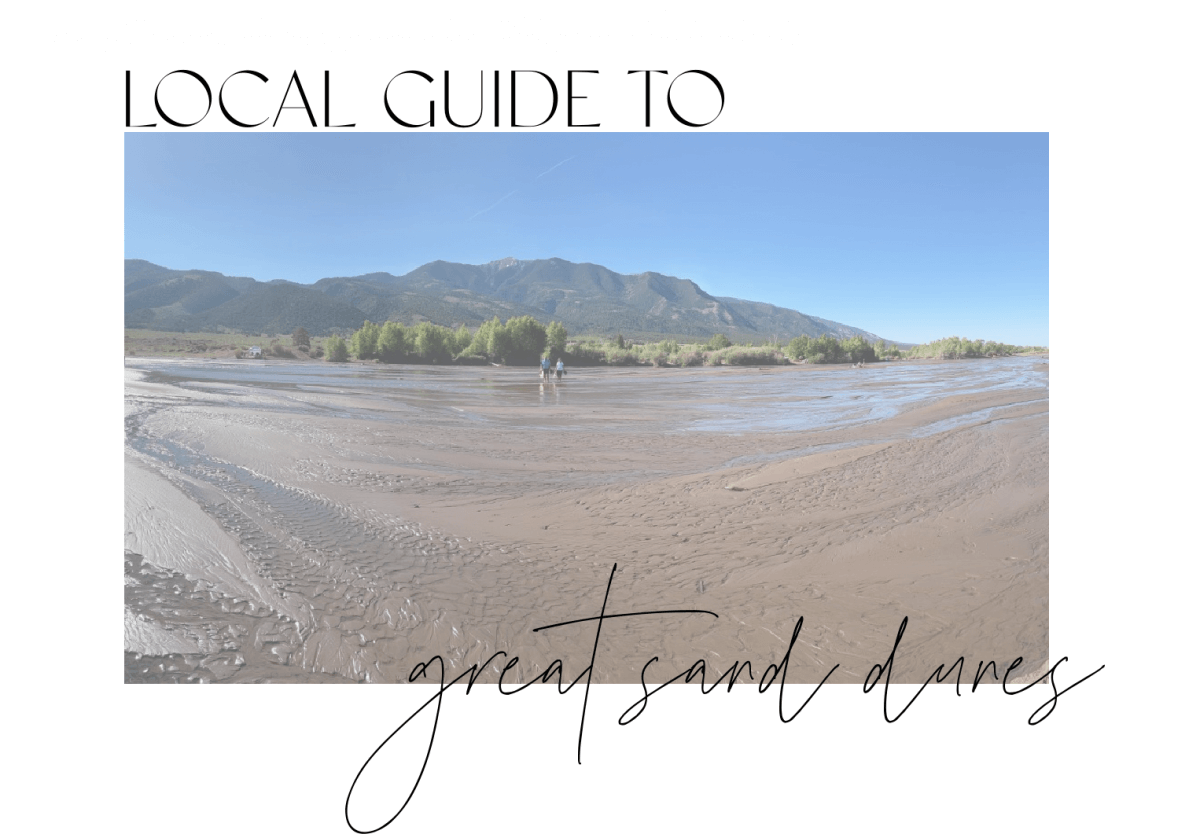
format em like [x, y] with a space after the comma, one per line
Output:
[320, 523]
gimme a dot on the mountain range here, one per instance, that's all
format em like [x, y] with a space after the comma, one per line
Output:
[587, 298]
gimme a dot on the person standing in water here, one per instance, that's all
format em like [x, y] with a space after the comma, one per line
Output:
[545, 367]
[558, 370]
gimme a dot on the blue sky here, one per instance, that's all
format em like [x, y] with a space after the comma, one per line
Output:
[910, 236]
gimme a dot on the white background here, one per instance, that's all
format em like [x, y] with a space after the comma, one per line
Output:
[1111, 87]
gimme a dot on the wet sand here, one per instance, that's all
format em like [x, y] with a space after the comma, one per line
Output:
[322, 523]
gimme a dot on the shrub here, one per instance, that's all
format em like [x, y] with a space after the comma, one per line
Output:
[955, 348]
[584, 354]
[752, 356]
[617, 356]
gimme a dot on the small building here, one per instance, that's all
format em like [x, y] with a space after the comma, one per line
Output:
[254, 352]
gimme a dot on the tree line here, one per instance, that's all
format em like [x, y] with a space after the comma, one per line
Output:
[828, 349]
[953, 347]
[524, 340]
[520, 340]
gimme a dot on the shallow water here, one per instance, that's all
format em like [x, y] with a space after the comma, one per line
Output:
[274, 510]
[729, 399]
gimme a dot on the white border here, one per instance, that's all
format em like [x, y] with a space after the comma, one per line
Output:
[1107, 87]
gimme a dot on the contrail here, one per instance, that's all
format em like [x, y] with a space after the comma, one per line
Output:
[493, 205]
[548, 170]
[515, 190]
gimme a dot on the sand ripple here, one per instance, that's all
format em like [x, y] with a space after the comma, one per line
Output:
[323, 524]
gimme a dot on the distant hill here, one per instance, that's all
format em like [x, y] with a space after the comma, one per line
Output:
[589, 299]
[168, 299]
[383, 301]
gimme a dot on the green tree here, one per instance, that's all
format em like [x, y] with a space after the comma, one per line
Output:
[797, 348]
[460, 340]
[499, 342]
[526, 340]
[336, 348]
[482, 341]
[719, 341]
[365, 340]
[300, 337]
[394, 342]
[556, 338]
[825, 349]
[429, 342]
[858, 349]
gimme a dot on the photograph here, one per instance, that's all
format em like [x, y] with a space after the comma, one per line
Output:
[757, 398]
